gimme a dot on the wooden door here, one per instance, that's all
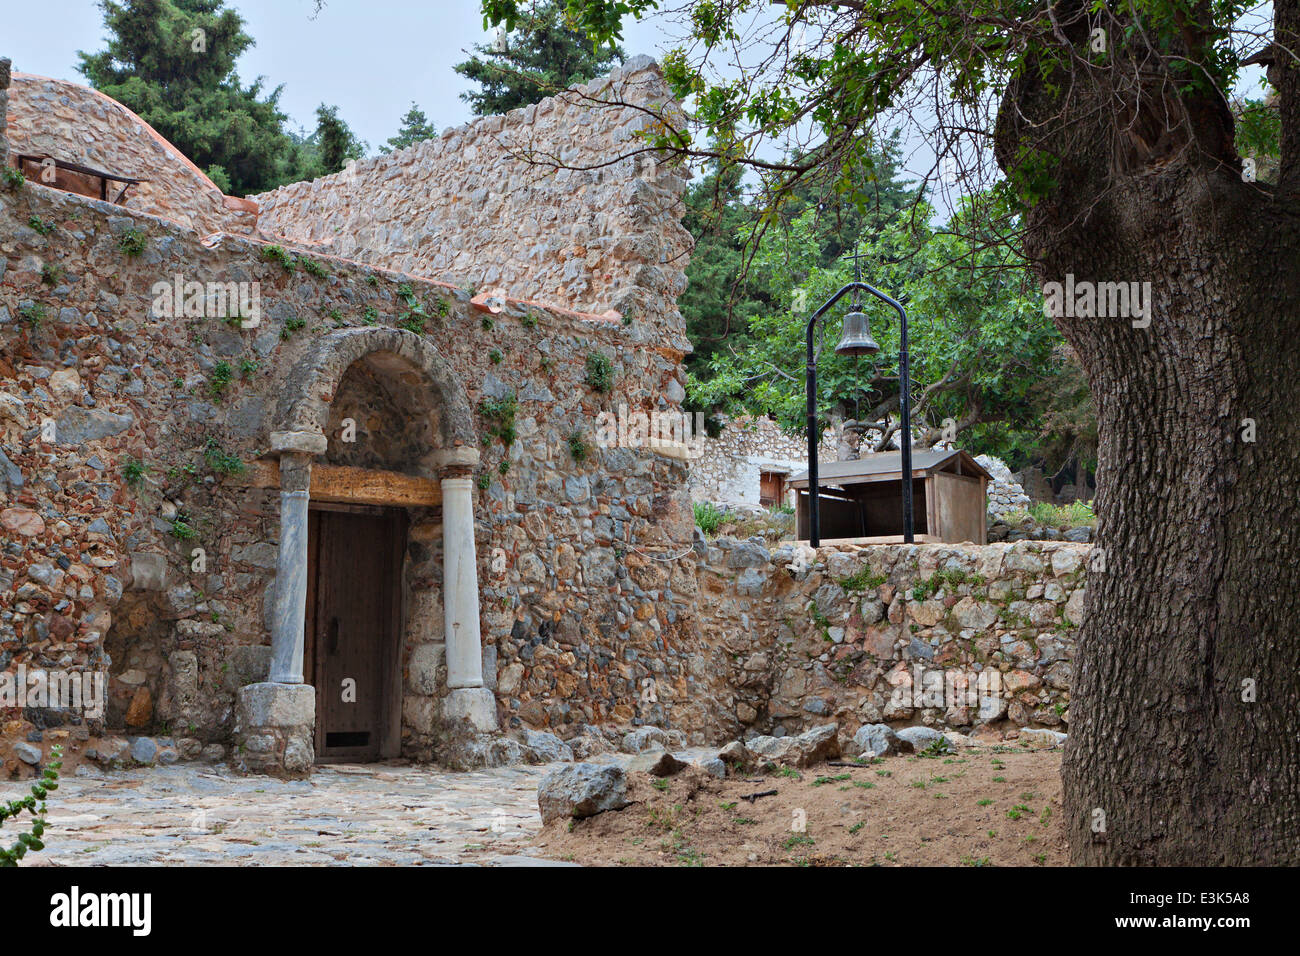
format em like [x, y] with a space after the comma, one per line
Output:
[353, 622]
[771, 491]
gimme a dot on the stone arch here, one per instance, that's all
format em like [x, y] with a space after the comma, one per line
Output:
[308, 391]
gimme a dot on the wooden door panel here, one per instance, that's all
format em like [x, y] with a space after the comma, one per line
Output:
[354, 631]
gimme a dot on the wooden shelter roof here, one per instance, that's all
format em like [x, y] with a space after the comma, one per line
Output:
[889, 464]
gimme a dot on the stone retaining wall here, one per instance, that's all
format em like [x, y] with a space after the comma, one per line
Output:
[840, 637]
[484, 205]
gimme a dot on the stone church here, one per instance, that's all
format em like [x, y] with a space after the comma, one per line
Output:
[314, 476]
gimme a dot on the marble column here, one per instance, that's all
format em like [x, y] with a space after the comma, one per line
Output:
[290, 612]
[467, 696]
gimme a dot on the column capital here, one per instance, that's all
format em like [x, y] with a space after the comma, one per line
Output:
[455, 462]
[304, 442]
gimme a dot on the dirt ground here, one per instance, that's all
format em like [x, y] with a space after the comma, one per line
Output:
[987, 806]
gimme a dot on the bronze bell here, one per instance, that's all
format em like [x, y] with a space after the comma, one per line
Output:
[856, 338]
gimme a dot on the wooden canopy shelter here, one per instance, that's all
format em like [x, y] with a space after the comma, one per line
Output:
[861, 502]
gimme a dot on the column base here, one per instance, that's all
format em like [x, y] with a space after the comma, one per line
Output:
[275, 727]
[478, 705]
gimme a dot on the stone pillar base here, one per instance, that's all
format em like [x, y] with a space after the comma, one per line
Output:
[478, 705]
[274, 729]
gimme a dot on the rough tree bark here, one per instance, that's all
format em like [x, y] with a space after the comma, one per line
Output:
[1199, 528]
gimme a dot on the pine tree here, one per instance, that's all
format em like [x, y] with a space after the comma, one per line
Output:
[542, 55]
[335, 140]
[415, 127]
[173, 63]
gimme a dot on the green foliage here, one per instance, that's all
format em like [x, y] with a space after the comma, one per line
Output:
[221, 461]
[415, 127]
[948, 578]
[545, 51]
[578, 449]
[181, 529]
[600, 372]
[132, 242]
[219, 379]
[277, 253]
[1075, 514]
[863, 580]
[494, 356]
[133, 472]
[529, 319]
[413, 321]
[488, 324]
[314, 268]
[484, 482]
[40, 225]
[707, 516]
[291, 325]
[500, 415]
[335, 141]
[370, 315]
[12, 177]
[51, 274]
[194, 99]
[29, 839]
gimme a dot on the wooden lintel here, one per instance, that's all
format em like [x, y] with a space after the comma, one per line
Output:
[355, 485]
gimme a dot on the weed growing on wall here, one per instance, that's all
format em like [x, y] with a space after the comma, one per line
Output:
[40, 225]
[12, 178]
[133, 242]
[274, 253]
[500, 415]
[600, 372]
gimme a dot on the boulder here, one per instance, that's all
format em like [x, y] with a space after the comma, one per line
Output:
[645, 738]
[811, 747]
[875, 740]
[916, 739]
[541, 747]
[581, 790]
[737, 755]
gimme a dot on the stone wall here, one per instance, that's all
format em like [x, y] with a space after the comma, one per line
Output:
[118, 423]
[76, 124]
[471, 208]
[840, 636]
[728, 471]
[1004, 493]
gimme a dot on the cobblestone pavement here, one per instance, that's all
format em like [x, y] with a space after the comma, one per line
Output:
[349, 815]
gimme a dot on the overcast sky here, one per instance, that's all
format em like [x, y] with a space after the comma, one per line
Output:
[371, 58]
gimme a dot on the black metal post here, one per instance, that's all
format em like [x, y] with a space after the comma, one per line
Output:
[814, 523]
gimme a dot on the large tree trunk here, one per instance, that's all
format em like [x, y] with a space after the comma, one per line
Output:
[1184, 743]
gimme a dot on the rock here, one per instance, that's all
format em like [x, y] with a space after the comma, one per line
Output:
[658, 763]
[546, 748]
[811, 747]
[110, 752]
[875, 740]
[1081, 535]
[581, 790]
[643, 739]
[78, 425]
[213, 753]
[141, 710]
[1041, 739]
[713, 767]
[589, 745]
[27, 753]
[22, 521]
[916, 739]
[820, 743]
[737, 755]
[144, 750]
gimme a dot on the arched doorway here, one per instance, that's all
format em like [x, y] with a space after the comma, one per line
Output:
[374, 437]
